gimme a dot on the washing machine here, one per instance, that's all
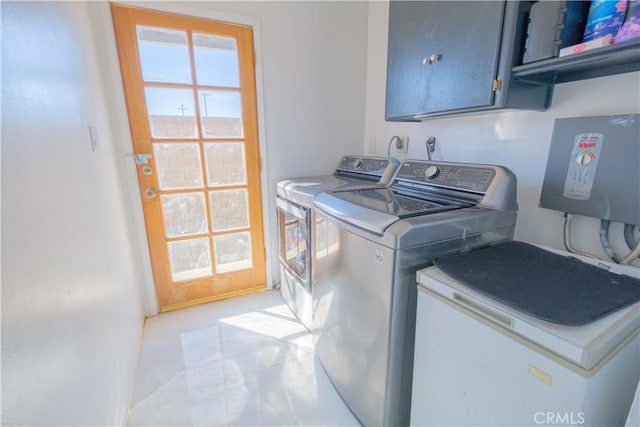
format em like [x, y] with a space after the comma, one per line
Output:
[370, 243]
[295, 230]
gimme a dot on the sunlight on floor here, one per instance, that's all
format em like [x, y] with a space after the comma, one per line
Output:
[245, 361]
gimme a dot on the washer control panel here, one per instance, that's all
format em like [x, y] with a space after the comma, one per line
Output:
[369, 165]
[476, 178]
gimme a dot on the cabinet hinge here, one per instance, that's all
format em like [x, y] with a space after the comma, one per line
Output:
[497, 84]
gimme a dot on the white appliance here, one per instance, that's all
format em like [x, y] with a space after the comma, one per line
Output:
[295, 231]
[370, 243]
[480, 362]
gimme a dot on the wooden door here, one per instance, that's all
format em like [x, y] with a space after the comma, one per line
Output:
[190, 91]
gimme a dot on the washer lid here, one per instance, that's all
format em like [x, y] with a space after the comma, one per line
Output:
[352, 172]
[303, 190]
[584, 345]
[374, 209]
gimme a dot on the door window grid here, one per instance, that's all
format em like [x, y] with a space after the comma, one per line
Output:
[206, 129]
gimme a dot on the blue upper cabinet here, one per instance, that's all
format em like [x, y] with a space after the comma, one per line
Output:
[452, 57]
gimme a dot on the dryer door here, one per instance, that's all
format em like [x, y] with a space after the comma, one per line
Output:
[294, 224]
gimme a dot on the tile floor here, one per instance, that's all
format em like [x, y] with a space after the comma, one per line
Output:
[239, 362]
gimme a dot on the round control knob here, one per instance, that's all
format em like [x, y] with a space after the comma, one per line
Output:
[357, 164]
[584, 158]
[431, 172]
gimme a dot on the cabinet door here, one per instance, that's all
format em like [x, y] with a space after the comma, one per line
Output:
[465, 38]
[408, 79]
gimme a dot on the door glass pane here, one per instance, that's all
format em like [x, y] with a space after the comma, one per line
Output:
[190, 259]
[225, 164]
[216, 60]
[229, 209]
[155, 45]
[233, 252]
[221, 114]
[184, 214]
[171, 112]
[178, 166]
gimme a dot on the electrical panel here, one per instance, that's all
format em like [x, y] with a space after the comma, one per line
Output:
[593, 168]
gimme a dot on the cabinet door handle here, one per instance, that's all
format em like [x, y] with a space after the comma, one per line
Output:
[434, 57]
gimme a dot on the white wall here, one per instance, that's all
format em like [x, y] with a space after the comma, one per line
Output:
[71, 266]
[71, 300]
[311, 86]
[518, 140]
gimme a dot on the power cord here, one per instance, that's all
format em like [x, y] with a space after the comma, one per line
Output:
[635, 253]
[567, 238]
[604, 240]
[629, 235]
[393, 138]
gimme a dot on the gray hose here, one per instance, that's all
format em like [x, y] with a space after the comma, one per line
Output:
[604, 240]
[629, 235]
[567, 238]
